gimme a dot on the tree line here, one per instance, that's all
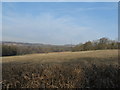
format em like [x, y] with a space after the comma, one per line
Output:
[103, 43]
[11, 50]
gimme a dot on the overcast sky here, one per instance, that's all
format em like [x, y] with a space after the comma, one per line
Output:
[59, 23]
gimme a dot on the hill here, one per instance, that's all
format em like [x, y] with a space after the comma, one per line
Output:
[19, 48]
[62, 56]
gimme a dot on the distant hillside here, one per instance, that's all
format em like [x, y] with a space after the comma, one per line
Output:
[32, 44]
[20, 48]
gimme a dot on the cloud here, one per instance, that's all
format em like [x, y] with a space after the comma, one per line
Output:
[45, 28]
[96, 8]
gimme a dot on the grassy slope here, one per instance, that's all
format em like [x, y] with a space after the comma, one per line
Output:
[62, 56]
[62, 70]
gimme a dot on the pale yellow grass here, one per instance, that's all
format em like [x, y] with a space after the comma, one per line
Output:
[61, 56]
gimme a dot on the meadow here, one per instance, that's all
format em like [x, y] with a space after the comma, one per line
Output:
[83, 69]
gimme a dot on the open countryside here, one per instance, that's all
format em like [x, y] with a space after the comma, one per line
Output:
[60, 45]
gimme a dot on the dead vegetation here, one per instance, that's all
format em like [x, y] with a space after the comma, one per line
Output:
[82, 72]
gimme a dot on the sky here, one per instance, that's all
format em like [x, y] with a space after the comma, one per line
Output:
[59, 23]
[60, 0]
[0, 21]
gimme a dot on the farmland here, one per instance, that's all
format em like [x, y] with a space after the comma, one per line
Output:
[83, 69]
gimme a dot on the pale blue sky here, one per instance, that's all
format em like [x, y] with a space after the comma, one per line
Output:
[59, 23]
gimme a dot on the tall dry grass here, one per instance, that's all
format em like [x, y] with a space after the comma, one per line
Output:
[93, 69]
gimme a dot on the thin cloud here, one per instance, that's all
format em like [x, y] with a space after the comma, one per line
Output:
[96, 8]
[58, 26]
[44, 29]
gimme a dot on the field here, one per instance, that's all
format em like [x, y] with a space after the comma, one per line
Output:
[84, 69]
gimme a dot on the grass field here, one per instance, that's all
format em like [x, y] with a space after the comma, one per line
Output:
[85, 69]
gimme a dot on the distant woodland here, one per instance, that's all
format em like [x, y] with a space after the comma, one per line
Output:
[15, 49]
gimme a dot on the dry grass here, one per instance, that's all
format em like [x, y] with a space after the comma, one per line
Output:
[62, 56]
[86, 69]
